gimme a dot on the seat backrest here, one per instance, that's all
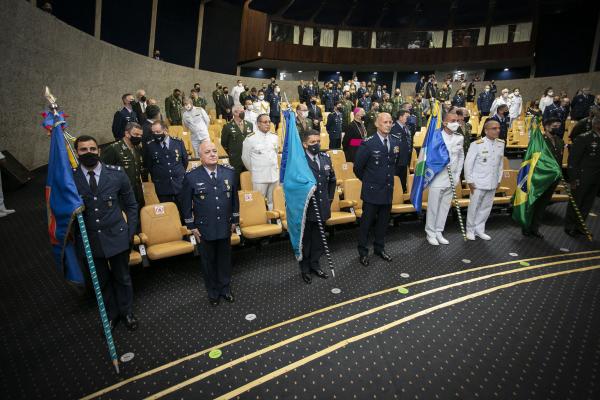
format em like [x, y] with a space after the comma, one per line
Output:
[337, 156]
[346, 171]
[335, 204]
[279, 201]
[150, 196]
[324, 141]
[397, 196]
[176, 130]
[352, 188]
[505, 163]
[187, 142]
[161, 223]
[253, 209]
[509, 180]
[246, 181]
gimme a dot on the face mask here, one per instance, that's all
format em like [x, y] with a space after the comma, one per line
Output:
[505, 113]
[550, 94]
[225, 91]
[189, 108]
[246, 88]
[135, 140]
[555, 131]
[314, 148]
[313, 102]
[240, 84]
[310, 86]
[159, 137]
[419, 100]
[261, 97]
[487, 90]
[89, 160]
[467, 119]
[241, 115]
[453, 126]
[557, 102]
[143, 99]
[304, 114]
[277, 90]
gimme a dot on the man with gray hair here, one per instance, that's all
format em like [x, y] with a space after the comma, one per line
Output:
[197, 121]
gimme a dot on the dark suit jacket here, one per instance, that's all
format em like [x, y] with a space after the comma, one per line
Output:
[353, 131]
[405, 137]
[314, 113]
[226, 103]
[325, 188]
[137, 107]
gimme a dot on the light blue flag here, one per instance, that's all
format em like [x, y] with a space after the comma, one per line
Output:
[298, 183]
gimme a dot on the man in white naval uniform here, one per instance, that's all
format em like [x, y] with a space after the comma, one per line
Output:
[259, 155]
[440, 191]
[483, 173]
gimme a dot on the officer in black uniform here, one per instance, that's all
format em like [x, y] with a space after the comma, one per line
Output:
[584, 174]
[127, 153]
[274, 100]
[106, 193]
[123, 116]
[211, 212]
[166, 159]
[375, 164]
[312, 242]
[335, 120]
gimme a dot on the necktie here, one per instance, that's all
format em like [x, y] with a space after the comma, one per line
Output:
[314, 160]
[93, 183]
[164, 146]
[385, 143]
[213, 177]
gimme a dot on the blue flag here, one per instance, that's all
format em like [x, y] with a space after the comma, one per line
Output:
[433, 157]
[298, 183]
[62, 202]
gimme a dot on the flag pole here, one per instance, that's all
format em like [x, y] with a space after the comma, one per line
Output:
[455, 201]
[580, 220]
[86, 245]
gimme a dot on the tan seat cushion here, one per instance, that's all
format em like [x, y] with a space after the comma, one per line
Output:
[235, 239]
[262, 230]
[502, 200]
[170, 249]
[340, 217]
[358, 212]
[402, 208]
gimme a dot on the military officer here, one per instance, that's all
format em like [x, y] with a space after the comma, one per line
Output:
[314, 113]
[327, 98]
[233, 135]
[303, 123]
[397, 101]
[584, 174]
[216, 96]
[347, 107]
[166, 159]
[106, 193]
[371, 118]
[125, 115]
[312, 242]
[173, 106]
[197, 100]
[127, 153]
[275, 106]
[334, 127]
[483, 173]
[211, 212]
[440, 191]
[386, 106]
[375, 165]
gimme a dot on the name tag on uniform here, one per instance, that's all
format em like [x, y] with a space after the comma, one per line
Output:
[159, 210]
[326, 167]
[396, 149]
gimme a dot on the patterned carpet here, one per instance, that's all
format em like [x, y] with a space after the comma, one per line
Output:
[473, 322]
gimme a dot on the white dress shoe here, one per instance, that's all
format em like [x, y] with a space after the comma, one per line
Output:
[484, 236]
[4, 212]
[441, 239]
[470, 236]
[432, 241]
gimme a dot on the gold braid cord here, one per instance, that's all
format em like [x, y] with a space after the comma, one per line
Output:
[456, 205]
[582, 224]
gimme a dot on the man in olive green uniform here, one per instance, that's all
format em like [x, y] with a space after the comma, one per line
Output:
[232, 139]
[216, 96]
[173, 106]
[127, 153]
[198, 101]
[370, 119]
[303, 123]
[443, 94]
[347, 107]
[396, 102]
[419, 111]
[386, 106]
[464, 127]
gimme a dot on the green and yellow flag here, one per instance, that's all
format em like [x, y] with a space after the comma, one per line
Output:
[539, 170]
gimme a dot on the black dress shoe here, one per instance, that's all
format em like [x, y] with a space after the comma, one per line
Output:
[321, 274]
[213, 302]
[306, 278]
[572, 232]
[525, 233]
[537, 234]
[364, 260]
[229, 298]
[131, 322]
[384, 255]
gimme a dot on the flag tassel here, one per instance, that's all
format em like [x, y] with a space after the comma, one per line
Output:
[456, 205]
[580, 220]
[323, 238]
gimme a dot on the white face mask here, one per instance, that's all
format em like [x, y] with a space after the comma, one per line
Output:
[261, 97]
[189, 108]
[304, 114]
[453, 126]
[517, 93]
[277, 90]
[550, 94]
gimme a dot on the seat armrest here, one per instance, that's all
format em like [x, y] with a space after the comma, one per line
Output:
[347, 203]
[281, 213]
[185, 231]
[272, 214]
[136, 240]
[143, 237]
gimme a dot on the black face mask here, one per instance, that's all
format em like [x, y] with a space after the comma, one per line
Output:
[505, 113]
[314, 148]
[225, 91]
[313, 102]
[159, 137]
[557, 103]
[467, 119]
[135, 140]
[89, 160]
[143, 99]
[555, 131]
[246, 89]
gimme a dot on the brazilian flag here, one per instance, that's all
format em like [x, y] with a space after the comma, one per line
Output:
[539, 170]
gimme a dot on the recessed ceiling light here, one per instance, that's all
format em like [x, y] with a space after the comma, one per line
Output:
[260, 69]
[337, 72]
[505, 69]
[374, 73]
[416, 72]
[300, 71]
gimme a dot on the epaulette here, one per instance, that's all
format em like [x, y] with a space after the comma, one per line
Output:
[324, 153]
[252, 134]
[500, 140]
[113, 167]
[479, 141]
[586, 133]
[272, 133]
[368, 138]
[175, 138]
[394, 135]
[149, 141]
[193, 169]
[227, 166]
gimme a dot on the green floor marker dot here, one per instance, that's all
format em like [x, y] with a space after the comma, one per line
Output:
[215, 353]
[524, 263]
[403, 290]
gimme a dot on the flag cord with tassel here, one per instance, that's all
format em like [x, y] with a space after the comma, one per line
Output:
[313, 200]
[580, 220]
[455, 201]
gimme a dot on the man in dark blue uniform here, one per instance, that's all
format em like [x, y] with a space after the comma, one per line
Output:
[557, 110]
[166, 159]
[401, 130]
[312, 242]
[375, 165]
[211, 212]
[106, 193]
[335, 120]
[275, 106]
[309, 92]
[485, 100]
[314, 112]
[124, 116]
[327, 98]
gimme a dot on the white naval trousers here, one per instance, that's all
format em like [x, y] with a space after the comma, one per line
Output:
[438, 205]
[480, 206]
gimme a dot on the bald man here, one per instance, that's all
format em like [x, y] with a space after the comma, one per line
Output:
[483, 173]
[375, 165]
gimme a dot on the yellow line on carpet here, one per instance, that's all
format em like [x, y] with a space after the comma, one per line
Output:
[353, 317]
[312, 313]
[339, 345]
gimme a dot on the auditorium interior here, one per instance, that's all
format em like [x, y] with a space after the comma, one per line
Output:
[514, 317]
